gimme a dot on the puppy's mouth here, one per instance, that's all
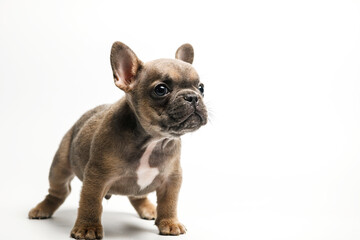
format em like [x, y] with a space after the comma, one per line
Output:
[188, 123]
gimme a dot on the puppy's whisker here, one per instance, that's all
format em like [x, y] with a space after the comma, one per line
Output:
[211, 112]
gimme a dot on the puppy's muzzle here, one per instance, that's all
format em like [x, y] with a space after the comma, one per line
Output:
[187, 113]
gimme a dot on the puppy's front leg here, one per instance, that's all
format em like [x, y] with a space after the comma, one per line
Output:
[88, 222]
[167, 196]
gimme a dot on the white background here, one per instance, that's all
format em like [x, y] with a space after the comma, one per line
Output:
[280, 158]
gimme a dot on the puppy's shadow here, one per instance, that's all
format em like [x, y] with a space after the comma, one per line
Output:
[116, 224]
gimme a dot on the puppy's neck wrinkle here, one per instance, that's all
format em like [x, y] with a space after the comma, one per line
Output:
[127, 120]
[130, 103]
[145, 126]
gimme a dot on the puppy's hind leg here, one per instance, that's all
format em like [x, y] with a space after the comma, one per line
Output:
[143, 207]
[60, 177]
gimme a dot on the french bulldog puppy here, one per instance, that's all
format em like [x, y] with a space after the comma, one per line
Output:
[131, 147]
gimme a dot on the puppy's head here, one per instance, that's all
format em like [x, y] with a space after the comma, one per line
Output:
[165, 94]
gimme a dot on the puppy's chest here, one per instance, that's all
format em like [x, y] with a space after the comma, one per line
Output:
[149, 169]
[146, 173]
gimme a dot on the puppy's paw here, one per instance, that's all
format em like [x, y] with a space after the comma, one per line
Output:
[46, 208]
[90, 231]
[147, 212]
[170, 227]
[144, 208]
[40, 212]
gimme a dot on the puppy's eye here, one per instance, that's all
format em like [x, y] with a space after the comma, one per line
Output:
[201, 88]
[161, 90]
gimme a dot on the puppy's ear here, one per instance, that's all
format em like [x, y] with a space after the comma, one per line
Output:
[125, 65]
[185, 53]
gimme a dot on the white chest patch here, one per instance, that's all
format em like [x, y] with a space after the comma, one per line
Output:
[145, 173]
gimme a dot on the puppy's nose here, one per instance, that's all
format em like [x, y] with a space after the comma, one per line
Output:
[191, 98]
